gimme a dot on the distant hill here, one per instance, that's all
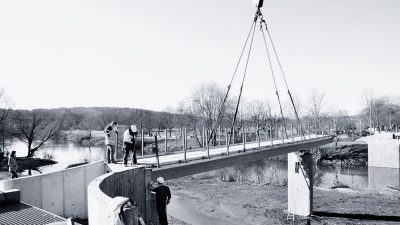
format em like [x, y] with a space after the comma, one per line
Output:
[97, 118]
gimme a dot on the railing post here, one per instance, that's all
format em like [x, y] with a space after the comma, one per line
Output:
[208, 146]
[244, 139]
[258, 137]
[166, 141]
[202, 137]
[282, 134]
[227, 141]
[271, 136]
[219, 136]
[142, 140]
[292, 133]
[309, 131]
[157, 157]
[233, 135]
[184, 144]
[276, 130]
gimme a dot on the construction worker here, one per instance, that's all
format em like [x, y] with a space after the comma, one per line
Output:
[13, 165]
[129, 144]
[111, 140]
[163, 197]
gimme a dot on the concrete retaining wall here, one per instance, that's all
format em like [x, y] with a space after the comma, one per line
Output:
[62, 193]
[131, 183]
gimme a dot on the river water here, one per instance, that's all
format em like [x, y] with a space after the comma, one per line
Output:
[64, 154]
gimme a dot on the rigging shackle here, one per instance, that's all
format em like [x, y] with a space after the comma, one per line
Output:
[258, 3]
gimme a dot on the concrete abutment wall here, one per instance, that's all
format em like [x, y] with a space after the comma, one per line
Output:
[62, 193]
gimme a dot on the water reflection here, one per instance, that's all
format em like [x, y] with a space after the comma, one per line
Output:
[275, 172]
[64, 154]
[383, 177]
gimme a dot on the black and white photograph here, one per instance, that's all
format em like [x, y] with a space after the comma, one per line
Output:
[184, 112]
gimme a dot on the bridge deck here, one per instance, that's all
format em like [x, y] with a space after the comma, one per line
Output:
[218, 151]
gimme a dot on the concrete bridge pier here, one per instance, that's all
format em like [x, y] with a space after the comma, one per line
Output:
[300, 183]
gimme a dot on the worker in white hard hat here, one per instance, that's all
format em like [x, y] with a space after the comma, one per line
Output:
[129, 144]
[163, 197]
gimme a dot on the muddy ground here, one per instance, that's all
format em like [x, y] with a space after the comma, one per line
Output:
[242, 203]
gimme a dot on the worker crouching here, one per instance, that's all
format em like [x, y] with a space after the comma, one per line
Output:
[129, 144]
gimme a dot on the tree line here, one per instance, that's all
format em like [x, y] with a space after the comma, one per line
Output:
[204, 108]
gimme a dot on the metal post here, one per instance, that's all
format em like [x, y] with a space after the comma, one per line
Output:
[157, 157]
[244, 139]
[323, 129]
[227, 141]
[208, 146]
[309, 131]
[219, 136]
[271, 135]
[142, 140]
[203, 138]
[184, 144]
[283, 136]
[166, 141]
[266, 133]
[292, 133]
[233, 135]
[258, 137]
[276, 132]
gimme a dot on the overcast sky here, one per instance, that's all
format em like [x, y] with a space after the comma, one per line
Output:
[150, 54]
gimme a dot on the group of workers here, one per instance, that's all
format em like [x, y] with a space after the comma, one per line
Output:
[163, 193]
[111, 132]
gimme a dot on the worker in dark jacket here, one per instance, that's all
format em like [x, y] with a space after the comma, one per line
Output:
[129, 144]
[13, 165]
[163, 197]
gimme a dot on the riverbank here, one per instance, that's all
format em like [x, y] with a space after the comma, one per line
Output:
[24, 163]
[245, 203]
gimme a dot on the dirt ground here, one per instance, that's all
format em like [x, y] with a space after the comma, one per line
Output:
[242, 203]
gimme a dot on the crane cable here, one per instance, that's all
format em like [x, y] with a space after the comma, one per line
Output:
[230, 84]
[244, 76]
[284, 77]
[272, 71]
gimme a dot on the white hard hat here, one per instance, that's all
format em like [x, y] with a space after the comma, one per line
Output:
[160, 180]
[133, 128]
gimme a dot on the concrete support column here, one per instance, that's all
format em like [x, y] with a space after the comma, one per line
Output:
[300, 183]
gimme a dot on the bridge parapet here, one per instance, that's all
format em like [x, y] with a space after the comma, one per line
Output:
[131, 183]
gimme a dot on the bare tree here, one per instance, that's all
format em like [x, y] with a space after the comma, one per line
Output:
[5, 108]
[34, 128]
[375, 108]
[258, 112]
[317, 103]
[206, 103]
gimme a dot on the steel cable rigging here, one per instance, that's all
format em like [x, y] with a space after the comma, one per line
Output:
[258, 15]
